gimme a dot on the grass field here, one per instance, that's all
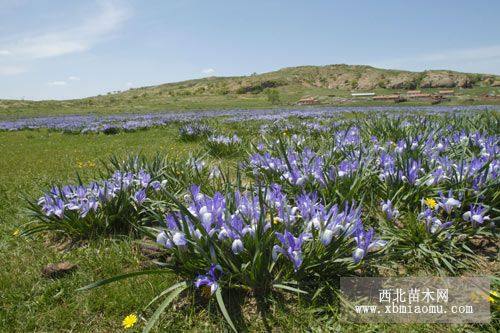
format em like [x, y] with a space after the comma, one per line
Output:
[32, 161]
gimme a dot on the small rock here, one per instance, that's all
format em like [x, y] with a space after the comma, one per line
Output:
[398, 224]
[491, 250]
[58, 270]
[147, 264]
[481, 241]
[149, 250]
[64, 245]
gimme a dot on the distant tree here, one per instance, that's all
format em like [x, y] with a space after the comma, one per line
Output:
[474, 78]
[273, 96]
[199, 90]
[223, 91]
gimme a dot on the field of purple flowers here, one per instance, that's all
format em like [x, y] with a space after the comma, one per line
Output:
[278, 212]
[132, 122]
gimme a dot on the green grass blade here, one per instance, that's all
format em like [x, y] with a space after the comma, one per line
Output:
[120, 277]
[288, 288]
[154, 318]
[166, 291]
[222, 306]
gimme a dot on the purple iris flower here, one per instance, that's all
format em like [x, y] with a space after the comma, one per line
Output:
[441, 146]
[164, 240]
[208, 210]
[328, 221]
[476, 215]
[412, 171]
[155, 185]
[84, 209]
[400, 147]
[234, 230]
[436, 177]
[432, 223]
[291, 247]
[58, 208]
[55, 191]
[173, 236]
[140, 196]
[346, 167]
[390, 212]
[365, 243]
[387, 163]
[307, 205]
[209, 279]
[448, 203]
[81, 192]
[237, 246]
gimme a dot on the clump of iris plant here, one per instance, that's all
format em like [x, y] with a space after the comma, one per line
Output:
[194, 131]
[221, 145]
[261, 240]
[83, 210]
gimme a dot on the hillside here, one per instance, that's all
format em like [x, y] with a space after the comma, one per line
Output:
[329, 85]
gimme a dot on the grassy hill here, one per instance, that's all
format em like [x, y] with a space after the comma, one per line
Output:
[330, 85]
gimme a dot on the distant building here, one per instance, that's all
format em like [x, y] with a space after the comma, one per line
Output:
[386, 97]
[366, 94]
[308, 101]
[420, 95]
[496, 84]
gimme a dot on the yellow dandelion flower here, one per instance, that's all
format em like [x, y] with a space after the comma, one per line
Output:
[494, 295]
[16, 233]
[431, 203]
[129, 321]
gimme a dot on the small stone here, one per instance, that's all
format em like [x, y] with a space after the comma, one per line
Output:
[491, 250]
[58, 270]
[150, 250]
[398, 224]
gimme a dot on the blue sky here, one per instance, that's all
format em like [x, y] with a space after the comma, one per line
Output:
[55, 49]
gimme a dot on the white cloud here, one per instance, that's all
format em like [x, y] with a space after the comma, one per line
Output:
[111, 15]
[129, 84]
[57, 83]
[481, 59]
[208, 71]
[73, 78]
[4, 52]
[11, 70]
